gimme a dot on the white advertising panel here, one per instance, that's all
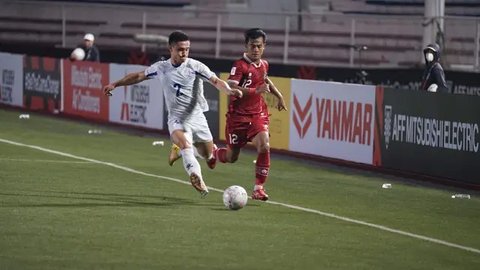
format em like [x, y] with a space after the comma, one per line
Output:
[334, 120]
[11, 79]
[138, 105]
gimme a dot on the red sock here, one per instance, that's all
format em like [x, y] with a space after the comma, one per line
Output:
[221, 155]
[262, 167]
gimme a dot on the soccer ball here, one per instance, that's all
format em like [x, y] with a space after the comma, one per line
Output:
[235, 197]
[77, 54]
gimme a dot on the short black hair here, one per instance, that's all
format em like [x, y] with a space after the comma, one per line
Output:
[177, 36]
[255, 33]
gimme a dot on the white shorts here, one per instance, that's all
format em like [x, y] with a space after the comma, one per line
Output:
[196, 128]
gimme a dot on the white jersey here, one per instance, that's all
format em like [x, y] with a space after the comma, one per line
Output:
[182, 86]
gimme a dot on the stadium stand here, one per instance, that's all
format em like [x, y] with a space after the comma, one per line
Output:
[324, 37]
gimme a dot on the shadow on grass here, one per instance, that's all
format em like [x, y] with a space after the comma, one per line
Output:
[91, 199]
[223, 208]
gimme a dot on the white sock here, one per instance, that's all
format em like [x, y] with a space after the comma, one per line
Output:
[190, 163]
[257, 187]
[195, 153]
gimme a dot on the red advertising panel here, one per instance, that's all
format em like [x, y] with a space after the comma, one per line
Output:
[83, 94]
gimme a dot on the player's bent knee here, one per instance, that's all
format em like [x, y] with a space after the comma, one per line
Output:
[264, 148]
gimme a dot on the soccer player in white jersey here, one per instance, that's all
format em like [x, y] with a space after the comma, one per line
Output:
[179, 77]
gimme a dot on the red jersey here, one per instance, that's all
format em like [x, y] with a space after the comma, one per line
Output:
[249, 75]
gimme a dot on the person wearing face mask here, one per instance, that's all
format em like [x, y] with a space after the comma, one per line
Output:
[433, 77]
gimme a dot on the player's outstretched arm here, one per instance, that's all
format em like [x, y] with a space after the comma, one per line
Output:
[129, 79]
[273, 89]
[223, 86]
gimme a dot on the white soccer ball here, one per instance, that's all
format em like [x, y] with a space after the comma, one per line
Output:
[235, 197]
[78, 54]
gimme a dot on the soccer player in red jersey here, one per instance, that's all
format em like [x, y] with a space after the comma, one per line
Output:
[247, 117]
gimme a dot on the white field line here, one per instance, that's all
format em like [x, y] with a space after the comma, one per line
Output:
[346, 219]
[43, 160]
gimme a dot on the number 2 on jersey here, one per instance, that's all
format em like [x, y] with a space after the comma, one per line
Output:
[178, 87]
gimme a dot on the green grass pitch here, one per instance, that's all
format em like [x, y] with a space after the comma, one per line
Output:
[65, 212]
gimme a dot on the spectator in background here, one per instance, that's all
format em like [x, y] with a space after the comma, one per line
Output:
[91, 52]
[433, 77]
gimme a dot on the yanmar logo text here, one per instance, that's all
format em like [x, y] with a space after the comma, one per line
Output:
[335, 120]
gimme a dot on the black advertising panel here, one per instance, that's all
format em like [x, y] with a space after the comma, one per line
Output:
[42, 83]
[429, 133]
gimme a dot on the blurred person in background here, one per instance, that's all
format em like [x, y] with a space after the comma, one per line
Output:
[90, 51]
[433, 79]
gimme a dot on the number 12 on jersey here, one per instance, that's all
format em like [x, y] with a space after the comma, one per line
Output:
[232, 138]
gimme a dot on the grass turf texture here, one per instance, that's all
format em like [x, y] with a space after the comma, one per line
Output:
[57, 215]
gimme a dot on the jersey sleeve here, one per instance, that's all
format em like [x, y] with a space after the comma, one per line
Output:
[152, 71]
[267, 66]
[236, 73]
[203, 71]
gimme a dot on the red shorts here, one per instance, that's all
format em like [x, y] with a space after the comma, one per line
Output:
[241, 130]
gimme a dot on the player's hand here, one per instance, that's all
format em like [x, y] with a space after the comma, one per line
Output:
[236, 92]
[281, 106]
[264, 88]
[107, 89]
